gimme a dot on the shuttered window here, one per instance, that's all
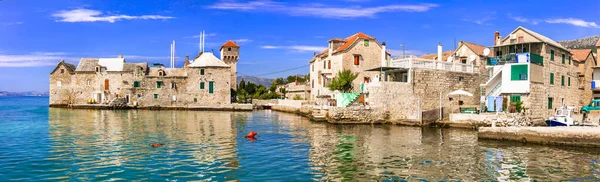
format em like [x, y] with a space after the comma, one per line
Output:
[158, 84]
[518, 72]
[195, 99]
[211, 87]
[562, 80]
[550, 102]
[155, 96]
[563, 58]
[551, 78]
[552, 55]
[569, 82]
[201, 85]
[515, 98]
[201, 71]
[356, 59]
[136, 84]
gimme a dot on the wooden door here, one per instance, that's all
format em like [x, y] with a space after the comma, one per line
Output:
[105, 84]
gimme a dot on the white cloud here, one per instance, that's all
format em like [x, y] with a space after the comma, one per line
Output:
[13, 23]
[35, 59]
[480, 21]
[296, 48]
[523, 20]
[318, 10]
[88, 15]
[242, 41]
[574, 22]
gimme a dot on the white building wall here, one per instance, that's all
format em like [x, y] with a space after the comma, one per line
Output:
[515, 86]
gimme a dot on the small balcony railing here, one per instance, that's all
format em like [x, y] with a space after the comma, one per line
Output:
[516, 58]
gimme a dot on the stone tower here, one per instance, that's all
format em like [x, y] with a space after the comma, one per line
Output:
[230, 54]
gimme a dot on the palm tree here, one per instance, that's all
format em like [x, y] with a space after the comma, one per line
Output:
[343, 81]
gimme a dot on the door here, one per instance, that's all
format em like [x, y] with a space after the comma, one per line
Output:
[127, 99]
[105, 84]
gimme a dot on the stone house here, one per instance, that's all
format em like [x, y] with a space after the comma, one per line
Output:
[295, 88]
[585, 61]
[356, 53]
[534, 69]
[204, 82]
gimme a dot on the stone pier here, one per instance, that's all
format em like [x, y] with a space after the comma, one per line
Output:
[581, 136]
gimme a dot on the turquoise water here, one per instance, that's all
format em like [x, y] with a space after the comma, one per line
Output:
[42, 144]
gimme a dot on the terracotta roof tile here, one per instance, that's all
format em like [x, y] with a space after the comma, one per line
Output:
[350, 40]
[230, 43]
[478, 49]
[580, 54]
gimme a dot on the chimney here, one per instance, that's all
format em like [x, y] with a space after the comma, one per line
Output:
[187, 61]
[439, 55]
[383, 55]
[120, 56]
[496, 37]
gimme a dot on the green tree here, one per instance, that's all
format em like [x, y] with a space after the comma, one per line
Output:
[242, 95]
[298, 97]
[278, 81]
[250, 88]
[242, 85]
[343, 81]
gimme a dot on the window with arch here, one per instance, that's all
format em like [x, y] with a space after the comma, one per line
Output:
[97, 69]
[161, 73]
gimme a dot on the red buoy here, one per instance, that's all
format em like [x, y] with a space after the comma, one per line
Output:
[251, 135]
[156, 145]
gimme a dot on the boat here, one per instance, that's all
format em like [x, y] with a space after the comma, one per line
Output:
[562, 117]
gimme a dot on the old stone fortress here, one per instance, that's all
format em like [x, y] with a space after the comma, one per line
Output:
[204, 81]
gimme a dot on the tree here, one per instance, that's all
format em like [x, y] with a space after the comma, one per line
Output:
[242, 85]
[343, 81]
[298, 97]
[278, 81]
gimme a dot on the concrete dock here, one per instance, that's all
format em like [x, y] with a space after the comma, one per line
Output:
[583, 136]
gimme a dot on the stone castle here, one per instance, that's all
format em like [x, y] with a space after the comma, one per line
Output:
[205, 81]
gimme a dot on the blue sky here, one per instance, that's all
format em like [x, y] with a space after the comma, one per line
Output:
[274, 35]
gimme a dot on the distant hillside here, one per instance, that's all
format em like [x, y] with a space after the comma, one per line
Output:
[582, 43]
[31, 93]
[261, 81]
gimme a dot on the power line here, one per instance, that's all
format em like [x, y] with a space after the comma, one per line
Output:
[275, 72]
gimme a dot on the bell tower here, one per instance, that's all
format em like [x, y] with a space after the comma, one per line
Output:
[230, 54]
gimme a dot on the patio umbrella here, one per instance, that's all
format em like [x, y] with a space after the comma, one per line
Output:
[459, 93]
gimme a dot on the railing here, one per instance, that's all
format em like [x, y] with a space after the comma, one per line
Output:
[414, 62]
[516, 58]
[495, 88]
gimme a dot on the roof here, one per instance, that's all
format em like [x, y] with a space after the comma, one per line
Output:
[350, 40]
[87, 64]
[580, 54]
[112, 64]
[230, 43]
[132, 66]
[538, 36]
[321, 54]
[478, 49]
[598, 43]
[445, 55]
[207, 59]
[70, 67]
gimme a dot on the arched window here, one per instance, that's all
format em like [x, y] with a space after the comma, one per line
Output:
[161, 73]
[97, 69]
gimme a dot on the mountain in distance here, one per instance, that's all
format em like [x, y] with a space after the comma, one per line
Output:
[581, 43]
[256, 80]
[30, 93]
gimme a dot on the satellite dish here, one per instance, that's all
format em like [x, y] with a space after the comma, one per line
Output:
[472, 58]
[450, 59]
[486, 51]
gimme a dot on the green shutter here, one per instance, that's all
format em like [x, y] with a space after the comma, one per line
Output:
[549, 102]
[211, 87]
[569, 81]
[552, 55]
[157, 84]
[366, 42]
[551, 78]
[201, 85]
[518, 72]
[570, 60]
[155, 96]
[562, 80]
[195, 99]
[136, 84]
[515, 98]
[201, 71]
[563, 58]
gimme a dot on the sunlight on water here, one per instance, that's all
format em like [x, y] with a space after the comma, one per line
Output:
[97, 145]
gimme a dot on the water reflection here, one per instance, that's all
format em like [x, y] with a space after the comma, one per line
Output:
[108, 145]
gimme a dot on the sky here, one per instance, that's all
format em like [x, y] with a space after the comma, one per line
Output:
[274, 35]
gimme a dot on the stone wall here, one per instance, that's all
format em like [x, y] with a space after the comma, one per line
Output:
[61, 92]
[429, 83]
[356, 114]
[370, 58]
[397, 99]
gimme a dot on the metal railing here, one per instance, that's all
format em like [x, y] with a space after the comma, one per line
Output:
[495, 88]
[414, 62]
[514, 58]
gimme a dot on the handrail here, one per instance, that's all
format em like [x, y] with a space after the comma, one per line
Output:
[495, 88]
[414, 62]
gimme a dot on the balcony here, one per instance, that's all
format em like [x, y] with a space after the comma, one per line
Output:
[516, 58]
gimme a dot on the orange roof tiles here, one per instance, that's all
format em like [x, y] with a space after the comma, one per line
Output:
[350, 40]
[478, 49]
[580, 54]
[230, 43]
